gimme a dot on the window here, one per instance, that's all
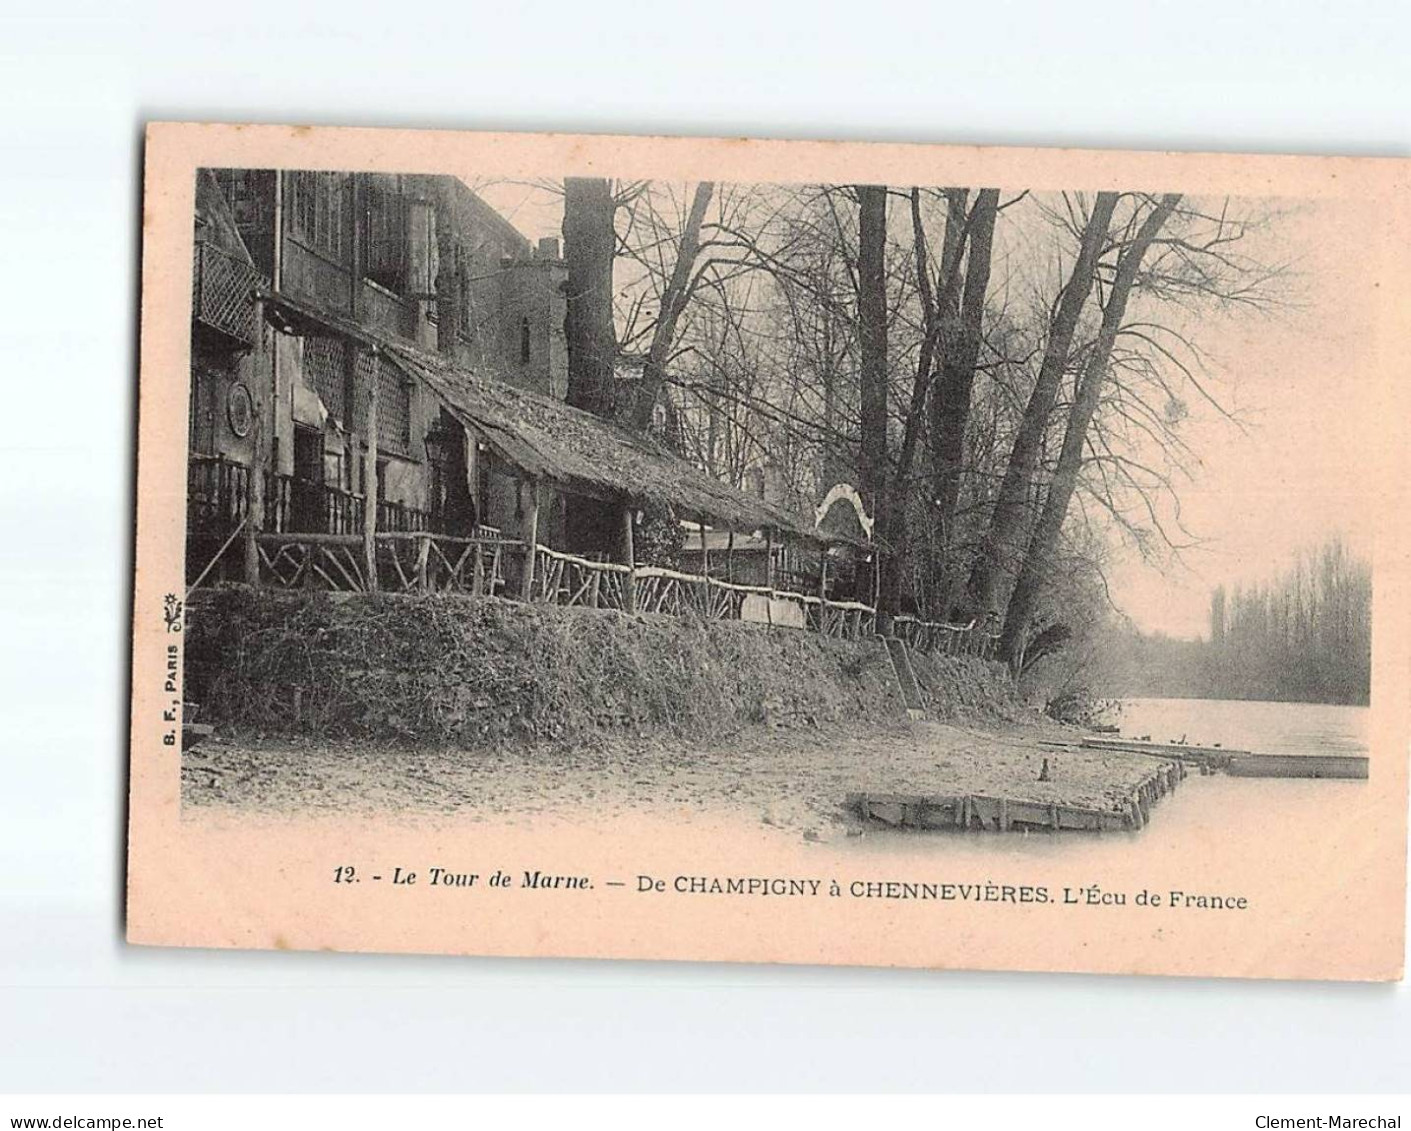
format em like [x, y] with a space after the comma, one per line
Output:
[242, 191]
[317, 211]
[394, 411]
[394, 403]
[386, 234]
[464, 323]
[325, 364]
[524, 341]
[202, 440]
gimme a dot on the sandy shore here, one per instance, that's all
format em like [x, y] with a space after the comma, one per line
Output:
[792, 780]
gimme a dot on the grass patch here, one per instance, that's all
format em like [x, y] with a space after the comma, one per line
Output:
[482, 671]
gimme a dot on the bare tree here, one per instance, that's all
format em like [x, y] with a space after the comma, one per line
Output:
[950, 404]
[1085, 406]
[1003, 542]
[872, 336]
[674, 298]
[590, 242]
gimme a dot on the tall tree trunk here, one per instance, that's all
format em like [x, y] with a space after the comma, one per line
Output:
[894, 534]
[589, 245]
[1003, 542]
[1070, 459]
[673, 302]
[950, 404]
[872, 342]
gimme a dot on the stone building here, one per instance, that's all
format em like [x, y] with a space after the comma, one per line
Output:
[378, 375]
[420, 260]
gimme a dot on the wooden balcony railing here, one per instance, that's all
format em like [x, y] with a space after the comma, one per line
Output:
[218, 499]
[414, 559]
[401, 518]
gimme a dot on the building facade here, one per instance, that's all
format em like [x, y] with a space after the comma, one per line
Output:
[413, 259]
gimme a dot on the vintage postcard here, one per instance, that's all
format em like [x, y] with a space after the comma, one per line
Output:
[772, 551]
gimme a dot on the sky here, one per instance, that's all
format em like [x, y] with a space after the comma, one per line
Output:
[1302, 470]
[1296, 472]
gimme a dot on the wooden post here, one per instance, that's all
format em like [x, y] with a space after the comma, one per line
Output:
[423, 555]
[370, 478]
[531, 540]
[705, 569]
[730, 556]
[769, 557]
[629, 559]
[255, 482]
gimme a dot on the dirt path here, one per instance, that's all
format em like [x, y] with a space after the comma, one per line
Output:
[794, 780]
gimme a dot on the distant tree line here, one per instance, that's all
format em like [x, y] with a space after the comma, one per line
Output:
[1305, 636]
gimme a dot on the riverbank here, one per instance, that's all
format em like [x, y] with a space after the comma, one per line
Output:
[483, 673]
[795, 781]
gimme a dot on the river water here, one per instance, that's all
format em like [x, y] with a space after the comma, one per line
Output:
[1298, 854]
[1265, 728]
[1206, 814]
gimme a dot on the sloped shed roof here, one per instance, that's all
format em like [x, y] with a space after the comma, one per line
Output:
[581, 451]
[547, 438]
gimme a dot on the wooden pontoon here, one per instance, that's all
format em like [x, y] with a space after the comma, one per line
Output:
[1243, 763]
[1006, 814]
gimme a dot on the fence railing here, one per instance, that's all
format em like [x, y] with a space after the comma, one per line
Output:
[218, 499]
[405, 562]
[566, 579]
[940, 638]
[490, 564]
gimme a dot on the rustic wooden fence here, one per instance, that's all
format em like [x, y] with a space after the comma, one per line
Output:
[490, 564]
[940, 638]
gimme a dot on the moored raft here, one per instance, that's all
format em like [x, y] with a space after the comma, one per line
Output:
[1130, 811]
[1345, 766]
[1243, 763]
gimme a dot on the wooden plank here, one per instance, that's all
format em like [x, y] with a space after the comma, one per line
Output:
[1298, 766]
[1165, 749]
[629, 559]
[531, 541]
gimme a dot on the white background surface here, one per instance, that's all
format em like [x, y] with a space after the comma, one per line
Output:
[78, 1009]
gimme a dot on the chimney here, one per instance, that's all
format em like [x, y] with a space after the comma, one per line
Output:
[549, 248]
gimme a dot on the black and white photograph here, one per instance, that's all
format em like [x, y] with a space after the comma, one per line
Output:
[705, 565]
[942, 526]
[755, 489]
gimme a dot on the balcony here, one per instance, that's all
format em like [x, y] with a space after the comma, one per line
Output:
[221, 288]
[218, 499]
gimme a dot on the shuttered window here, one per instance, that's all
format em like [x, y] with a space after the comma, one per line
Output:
[325, 364]
[318, 212]
[394, 411]
[386, 234]
[394, 403]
